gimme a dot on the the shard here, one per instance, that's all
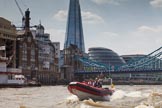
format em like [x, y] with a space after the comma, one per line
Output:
[74, 30]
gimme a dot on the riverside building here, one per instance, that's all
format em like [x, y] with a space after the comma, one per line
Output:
[8, 70]
[8, 42]
[57, 57]
[46, 55]
[27, 50]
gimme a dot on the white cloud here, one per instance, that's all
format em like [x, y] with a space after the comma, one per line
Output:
[142, 40]
[114, 2]
[61, 15]
[57, 35]
[109, 34]
[146, 29]
[147, 38]
[156, 3]
[88, 17]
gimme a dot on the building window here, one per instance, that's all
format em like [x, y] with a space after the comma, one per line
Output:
[32, 53]
[24, 65]
[24, 51]
[33, 66]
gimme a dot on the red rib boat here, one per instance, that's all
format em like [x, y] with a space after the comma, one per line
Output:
[86, 91]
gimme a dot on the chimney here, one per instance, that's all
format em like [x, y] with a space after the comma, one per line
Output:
[23, 22]
[27, 19]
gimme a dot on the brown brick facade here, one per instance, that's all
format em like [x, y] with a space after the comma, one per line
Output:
[27, 57]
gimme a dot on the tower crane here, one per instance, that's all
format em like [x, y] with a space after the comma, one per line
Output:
[23, 17]
[19, 8]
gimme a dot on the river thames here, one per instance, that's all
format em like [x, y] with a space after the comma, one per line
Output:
[125, 96]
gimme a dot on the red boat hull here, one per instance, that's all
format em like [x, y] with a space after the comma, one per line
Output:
[85, 91]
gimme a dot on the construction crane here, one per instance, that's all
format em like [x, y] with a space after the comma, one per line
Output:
[19, 8]
[23, 17]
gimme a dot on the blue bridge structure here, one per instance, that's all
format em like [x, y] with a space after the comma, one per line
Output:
[148, 67]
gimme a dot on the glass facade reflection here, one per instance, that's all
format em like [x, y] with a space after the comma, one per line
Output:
[131, 58]
[74, 30]
[106, 56]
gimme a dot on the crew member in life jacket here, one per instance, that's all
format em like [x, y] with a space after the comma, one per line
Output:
[90, 82]
[98, 83]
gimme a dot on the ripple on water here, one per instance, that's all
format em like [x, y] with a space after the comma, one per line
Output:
[59, 97]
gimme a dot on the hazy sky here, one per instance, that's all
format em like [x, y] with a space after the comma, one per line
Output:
[125, 26]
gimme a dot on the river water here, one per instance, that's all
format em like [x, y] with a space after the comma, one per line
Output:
[125, 96]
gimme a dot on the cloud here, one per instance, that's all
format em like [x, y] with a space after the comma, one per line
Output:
[143, 40]
[156, 3]
[147, 38]
[146, 29]
[110, 34]
[61, 15]
[88, 17]
[114, 2]
[57, 35]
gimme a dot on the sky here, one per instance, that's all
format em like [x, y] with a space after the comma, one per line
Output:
[124, 26]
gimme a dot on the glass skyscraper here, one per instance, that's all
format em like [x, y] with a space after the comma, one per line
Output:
[74, 30]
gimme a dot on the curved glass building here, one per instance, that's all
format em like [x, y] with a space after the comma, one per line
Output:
[105, 56]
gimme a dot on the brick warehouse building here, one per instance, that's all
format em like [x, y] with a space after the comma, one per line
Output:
[27, 50]
[35, 53]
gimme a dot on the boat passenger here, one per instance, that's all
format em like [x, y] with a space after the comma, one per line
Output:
[95, 84]
[90, 82]
[98, 83]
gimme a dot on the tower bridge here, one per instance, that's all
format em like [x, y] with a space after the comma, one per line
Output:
[150, 62]
[148, 67]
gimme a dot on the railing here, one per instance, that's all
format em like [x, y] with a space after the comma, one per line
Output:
[14, 70]
[152, 61]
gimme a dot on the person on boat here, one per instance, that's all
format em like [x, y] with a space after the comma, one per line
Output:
[90, 82]
[95, 82]
[98, 83]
